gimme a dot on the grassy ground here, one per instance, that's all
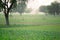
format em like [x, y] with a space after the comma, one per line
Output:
[30, 27]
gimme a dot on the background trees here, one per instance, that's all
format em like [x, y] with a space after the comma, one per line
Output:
[21, 6]
[43, 9]
[53, 9]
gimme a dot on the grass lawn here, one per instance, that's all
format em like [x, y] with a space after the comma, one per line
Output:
[30, 27]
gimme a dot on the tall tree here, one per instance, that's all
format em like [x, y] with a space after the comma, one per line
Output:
[7, 5]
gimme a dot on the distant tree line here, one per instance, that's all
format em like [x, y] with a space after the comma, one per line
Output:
[53, 9]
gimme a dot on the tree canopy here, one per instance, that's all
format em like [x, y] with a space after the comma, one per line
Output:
[21, 6]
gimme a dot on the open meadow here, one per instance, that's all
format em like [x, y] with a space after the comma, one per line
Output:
[30, 27]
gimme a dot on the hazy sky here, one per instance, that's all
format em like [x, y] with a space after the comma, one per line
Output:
[34, 4]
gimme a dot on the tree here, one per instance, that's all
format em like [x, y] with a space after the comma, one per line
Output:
[43, 9]
[54, 8]
[7, 5]
[21, 7]
[50, 11]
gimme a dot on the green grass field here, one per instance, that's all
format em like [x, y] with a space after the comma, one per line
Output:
[30, 27]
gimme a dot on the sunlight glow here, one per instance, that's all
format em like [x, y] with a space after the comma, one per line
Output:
[34, 4]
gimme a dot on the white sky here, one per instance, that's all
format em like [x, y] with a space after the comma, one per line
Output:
[34, 4]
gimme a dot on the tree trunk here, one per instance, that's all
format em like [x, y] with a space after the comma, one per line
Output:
[7, 19]
[6, 11]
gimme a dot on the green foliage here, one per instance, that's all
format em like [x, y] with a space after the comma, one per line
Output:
[43, 9]
[54, 8]
[14, 3]
[1, 5]
[21, 6]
